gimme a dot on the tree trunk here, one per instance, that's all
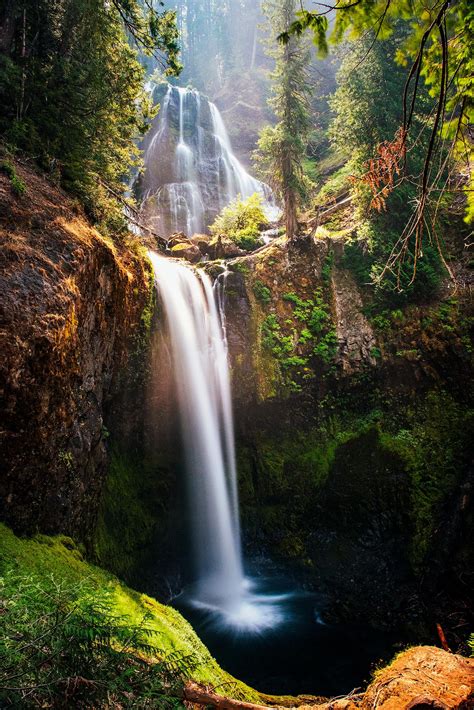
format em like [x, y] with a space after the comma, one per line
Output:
[7, 26]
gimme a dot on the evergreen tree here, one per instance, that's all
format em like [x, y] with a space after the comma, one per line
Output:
[367, 113]
[366, 104]
[71, 89]
[438, 49]
[281, 149]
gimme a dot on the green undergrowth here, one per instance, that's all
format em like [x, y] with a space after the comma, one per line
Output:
[95, 615]
[294, 342]
[17, 184]
[281, 478]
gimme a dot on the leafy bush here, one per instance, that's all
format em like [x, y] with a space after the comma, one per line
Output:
[18, 186]
[63, 644]
[242, 221]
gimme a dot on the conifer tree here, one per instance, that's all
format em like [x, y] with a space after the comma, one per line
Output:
[281, 148]
[71, 89]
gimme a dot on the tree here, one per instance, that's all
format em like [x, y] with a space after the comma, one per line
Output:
[367, 113]
[439, 47]
[281, 148]
[71, 89]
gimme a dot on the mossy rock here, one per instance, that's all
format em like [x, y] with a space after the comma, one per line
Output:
[186, 250]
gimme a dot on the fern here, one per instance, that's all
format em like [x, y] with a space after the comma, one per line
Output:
[65, 645]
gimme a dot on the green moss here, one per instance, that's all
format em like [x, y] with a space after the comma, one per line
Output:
[434, 445]
[142, 339]
[180, 248]
[58, 557]
[240, 266]
[421, 450]
[131, 511]
[262, 292]
[281, 478]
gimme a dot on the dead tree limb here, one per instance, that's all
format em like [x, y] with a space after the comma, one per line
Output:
[194, 693]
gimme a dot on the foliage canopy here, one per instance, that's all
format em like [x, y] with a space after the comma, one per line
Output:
[71, 89]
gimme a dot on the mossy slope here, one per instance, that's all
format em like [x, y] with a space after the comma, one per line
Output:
[44, 556]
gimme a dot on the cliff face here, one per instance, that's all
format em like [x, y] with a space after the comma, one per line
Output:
[70, 302]
[353, 427]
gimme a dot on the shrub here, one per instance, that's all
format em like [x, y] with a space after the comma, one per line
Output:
[262, 292]
[241, 221]
[63, 644]
[18, 186]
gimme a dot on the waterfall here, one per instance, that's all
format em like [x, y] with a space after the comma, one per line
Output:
[194, 312]
[191, 172]
[202, 380]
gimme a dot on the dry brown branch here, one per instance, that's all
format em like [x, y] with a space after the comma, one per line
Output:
[194, 693]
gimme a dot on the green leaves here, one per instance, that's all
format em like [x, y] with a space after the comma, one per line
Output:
[74, 98]
[307, 20]
[281, 148]
[242, 221]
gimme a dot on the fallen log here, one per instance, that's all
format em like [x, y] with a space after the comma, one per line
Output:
[194, 693]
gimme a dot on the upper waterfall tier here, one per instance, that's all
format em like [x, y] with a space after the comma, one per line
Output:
[191, 172]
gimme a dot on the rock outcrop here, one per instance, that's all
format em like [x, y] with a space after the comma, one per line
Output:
[355, 335]
[353, 423]
[70, 302]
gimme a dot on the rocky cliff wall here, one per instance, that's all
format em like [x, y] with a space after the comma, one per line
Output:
[71, 302]
[353, 424]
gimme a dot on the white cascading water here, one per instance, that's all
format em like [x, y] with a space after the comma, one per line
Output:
[191, 172]
[201, 371]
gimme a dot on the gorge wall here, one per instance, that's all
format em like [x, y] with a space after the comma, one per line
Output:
[72, 303]
[353, 422]
[353, 425]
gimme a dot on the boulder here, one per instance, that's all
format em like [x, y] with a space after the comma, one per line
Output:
[177, 238]
[224, 248]
[186, 250]
[203, 242]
